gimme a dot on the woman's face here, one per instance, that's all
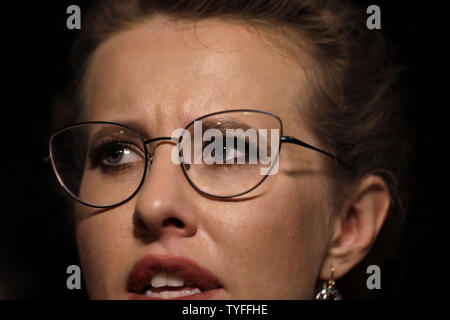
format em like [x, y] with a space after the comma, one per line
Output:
[271, 243]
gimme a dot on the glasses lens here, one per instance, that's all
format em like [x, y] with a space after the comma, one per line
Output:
[99, 164]
[230, 153]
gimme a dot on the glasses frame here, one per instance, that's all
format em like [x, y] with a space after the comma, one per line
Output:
[149, 156]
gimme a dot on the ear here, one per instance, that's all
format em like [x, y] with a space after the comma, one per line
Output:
[357, 225]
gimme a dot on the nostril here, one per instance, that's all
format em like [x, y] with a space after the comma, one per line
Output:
[173, 222]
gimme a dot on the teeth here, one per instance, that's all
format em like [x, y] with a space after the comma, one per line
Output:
[171, 294]
[174, 281]
[195, 291]
[159, 280]
[162, 279]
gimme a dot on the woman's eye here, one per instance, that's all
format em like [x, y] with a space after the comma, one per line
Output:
[120, 155]
[233, 152]
[114, 155]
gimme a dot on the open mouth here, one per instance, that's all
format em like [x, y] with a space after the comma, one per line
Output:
[170, 277]
[164, 285]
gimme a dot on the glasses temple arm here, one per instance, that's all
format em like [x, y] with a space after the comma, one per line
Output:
[288, 139]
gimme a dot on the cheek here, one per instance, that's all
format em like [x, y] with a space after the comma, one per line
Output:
[102, 241]
[277, 244]
[270, 247]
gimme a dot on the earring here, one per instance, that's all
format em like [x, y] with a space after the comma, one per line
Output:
[329, 291]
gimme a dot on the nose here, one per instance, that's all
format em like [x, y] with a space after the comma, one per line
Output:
[165, 205]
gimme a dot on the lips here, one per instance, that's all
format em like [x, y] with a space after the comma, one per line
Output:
[178, 266]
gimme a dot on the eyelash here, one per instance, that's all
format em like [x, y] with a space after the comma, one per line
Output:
[247, 147]
[99, 153]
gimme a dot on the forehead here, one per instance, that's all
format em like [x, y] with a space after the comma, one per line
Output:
[167, 73]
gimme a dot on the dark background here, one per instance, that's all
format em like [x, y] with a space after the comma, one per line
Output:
[35, 243]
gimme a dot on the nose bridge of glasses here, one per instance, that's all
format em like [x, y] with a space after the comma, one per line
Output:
[162, 168]
[157, 141]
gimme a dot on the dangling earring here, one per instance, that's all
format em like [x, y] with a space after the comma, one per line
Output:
[329, 291]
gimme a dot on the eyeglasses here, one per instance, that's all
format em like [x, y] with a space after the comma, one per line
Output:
[104, 164]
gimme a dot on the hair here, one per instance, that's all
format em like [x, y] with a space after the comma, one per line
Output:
[354, 104]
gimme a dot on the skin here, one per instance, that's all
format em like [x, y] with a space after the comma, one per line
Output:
[276, 242]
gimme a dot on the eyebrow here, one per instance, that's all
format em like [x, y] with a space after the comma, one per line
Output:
[137, 126]
[225, 124]
[143, 131]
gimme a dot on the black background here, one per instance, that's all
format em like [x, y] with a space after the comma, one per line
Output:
[35, 246]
